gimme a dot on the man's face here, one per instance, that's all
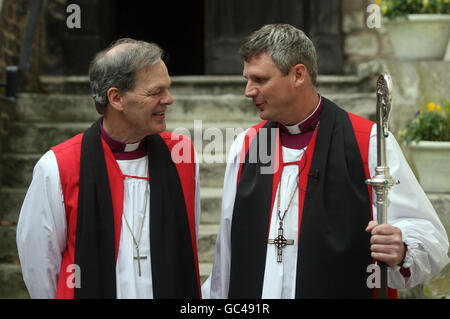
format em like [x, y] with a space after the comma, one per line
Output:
[145, 106]
[270, 90]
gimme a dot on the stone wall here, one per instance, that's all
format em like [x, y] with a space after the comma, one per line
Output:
[67, 51]
[416, 84]
[53, 29]
[368, 52]
[13, 20]
[12, 26]
[362, 44]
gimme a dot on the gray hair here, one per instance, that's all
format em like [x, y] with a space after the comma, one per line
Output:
[286, 45]
[117, 67]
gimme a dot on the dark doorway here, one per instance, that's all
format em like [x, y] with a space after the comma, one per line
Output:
[198, 36]
[176, 25]
[229, 22]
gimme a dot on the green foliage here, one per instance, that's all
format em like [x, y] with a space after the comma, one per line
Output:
[400, 8]
[432, 124]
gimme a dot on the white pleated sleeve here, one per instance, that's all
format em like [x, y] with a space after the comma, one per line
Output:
[42, 229]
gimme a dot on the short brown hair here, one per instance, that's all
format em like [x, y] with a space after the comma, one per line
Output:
[286, 45]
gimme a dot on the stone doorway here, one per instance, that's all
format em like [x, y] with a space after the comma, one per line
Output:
[203, 36]
[199, 36]
[229, 22]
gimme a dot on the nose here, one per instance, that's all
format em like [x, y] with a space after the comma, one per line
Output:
[250, 91]
[167, 99]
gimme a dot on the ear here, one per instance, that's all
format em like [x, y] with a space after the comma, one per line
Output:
[300, 74]
[115, 98]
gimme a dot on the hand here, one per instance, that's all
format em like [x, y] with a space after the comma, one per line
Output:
[386, 243]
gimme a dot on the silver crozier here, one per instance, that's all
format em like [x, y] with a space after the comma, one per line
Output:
[382, 181]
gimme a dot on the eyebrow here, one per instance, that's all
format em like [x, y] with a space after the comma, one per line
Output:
[256, 76]
[153, 89]
[160, 87]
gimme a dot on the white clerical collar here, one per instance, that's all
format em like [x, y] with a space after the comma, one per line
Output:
[293, 129]
[131, 147]
[123, 151]
[296, 128]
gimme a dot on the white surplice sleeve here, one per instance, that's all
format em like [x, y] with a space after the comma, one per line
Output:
[217, 284]
[410, 210]
[42, 230]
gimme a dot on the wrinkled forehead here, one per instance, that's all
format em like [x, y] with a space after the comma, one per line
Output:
[155, 76]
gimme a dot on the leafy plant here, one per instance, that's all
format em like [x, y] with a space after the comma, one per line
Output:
[400, 8]
[431, 124]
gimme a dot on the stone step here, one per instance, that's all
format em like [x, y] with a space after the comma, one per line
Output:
[37, 138]
[211, 202]
[207, 235]
[12, 285]
[27, 138]
[441, 203]
[30, 137]
[12, 199]
[57, 108]
[205, 270]
[207, 84]
[207, 242]
[212, 170]
[18, 169]
[8, 247]
[11, 282]
[362, 104]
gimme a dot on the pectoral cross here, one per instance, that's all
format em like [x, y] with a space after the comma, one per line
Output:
[138, 258]
[280, 242]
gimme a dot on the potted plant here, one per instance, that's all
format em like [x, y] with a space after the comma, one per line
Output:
[418, 29]
[427, 136]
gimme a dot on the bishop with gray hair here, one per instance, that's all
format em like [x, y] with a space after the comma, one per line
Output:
[112, 207]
